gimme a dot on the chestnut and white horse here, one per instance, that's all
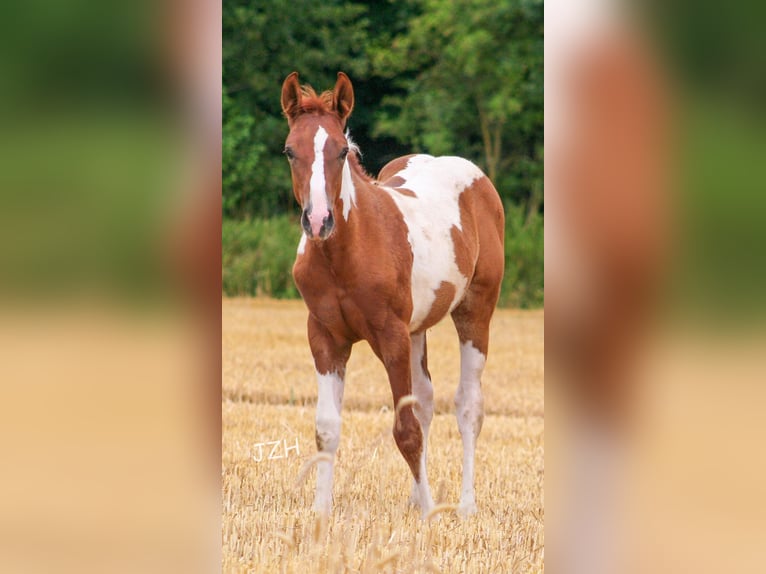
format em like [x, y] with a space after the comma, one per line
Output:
[383, 260]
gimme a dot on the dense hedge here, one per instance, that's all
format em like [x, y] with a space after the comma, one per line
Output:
[258, 255]
[523, 280]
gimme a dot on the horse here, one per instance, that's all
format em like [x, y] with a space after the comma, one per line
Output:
[383, 260]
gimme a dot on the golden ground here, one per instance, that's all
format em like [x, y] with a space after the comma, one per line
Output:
[268, 397]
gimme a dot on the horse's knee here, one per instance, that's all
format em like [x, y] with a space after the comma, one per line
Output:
[409, 439]
[469, 403]
[327, 432]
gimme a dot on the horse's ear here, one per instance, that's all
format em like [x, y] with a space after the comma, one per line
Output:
[343, 97]
[291, 96]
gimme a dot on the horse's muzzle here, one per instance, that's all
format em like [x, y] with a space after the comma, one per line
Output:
[317, 226]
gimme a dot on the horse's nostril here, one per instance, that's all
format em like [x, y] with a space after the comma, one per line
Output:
[305, 223]
[327, 226]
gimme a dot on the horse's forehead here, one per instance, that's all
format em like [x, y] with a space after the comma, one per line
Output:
[304, 132]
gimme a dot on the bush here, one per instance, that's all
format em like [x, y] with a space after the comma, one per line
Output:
[524, 267]
[258, 256]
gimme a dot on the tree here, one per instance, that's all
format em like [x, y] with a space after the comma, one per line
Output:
[470, 72]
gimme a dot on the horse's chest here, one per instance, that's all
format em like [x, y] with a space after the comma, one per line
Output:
[334, 302]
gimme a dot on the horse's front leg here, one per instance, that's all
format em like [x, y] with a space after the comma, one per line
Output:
[393, 347]
[330, 357]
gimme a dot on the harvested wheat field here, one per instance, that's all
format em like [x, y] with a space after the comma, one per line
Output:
[268, 435]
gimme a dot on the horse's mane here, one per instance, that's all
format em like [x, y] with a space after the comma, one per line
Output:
[354, 156]
[311, 102]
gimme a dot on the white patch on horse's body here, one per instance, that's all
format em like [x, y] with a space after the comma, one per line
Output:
[437, 183]
[317, 183]
[329, 401]
[424, 411]
[347, 189]
[470, 416]
[302, 244]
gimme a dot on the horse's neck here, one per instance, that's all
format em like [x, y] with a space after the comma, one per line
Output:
[344, 249]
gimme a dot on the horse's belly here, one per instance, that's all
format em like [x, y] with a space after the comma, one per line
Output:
[429, 200]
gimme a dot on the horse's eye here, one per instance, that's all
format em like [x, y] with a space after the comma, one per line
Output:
[343, 153]
[289, 153]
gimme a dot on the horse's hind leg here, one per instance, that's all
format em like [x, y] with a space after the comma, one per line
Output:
[471, 319]
[424, 412]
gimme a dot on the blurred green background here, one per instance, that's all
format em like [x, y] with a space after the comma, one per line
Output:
[458, 77]
[90, 150]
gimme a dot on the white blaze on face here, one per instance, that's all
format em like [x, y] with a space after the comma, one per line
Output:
[317, 184]
[437, 183]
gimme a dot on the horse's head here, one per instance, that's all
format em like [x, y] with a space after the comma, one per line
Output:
[316, 149]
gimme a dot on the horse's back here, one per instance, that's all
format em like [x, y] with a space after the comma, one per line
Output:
[447, 181]
[393, 167]
[454, 219]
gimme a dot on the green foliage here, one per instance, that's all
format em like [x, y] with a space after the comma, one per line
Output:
[524, 264]
[240, 157]
[258, 256]
[472, 76]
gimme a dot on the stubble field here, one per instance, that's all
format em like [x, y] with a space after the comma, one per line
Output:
[268, 400]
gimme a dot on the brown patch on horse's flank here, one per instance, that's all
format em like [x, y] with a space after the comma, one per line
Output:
[465, 262]
[445, 294]
[466, 241]
[395, 181]
[405, 191]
